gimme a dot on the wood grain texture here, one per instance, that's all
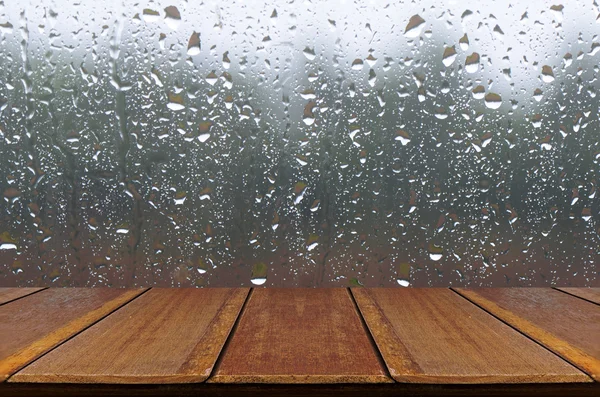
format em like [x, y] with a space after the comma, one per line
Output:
[433, 335]
[590, 294]
[567, 325]
[32, 326]
[10, 294]
[300, 335]
[164, 336]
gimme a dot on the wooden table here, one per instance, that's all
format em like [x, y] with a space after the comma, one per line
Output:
[354, 342]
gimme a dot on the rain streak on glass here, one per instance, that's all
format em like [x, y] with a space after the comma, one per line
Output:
[277, 143]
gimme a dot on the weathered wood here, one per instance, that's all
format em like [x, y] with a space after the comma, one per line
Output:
[590, 294]
[436, 336]
[10, 294]
[300, 335]
[32, 326]
[567, 325]
[164, 336]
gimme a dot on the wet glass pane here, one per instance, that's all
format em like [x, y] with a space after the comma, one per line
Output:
[299, 143]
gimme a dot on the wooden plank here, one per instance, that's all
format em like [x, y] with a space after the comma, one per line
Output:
[10, 294]
[590, 294]
[30, 327]
[164, 336]
[433, 335]
[300, 335]
[567, 325]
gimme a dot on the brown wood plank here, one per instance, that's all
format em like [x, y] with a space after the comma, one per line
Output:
[30, 327]
[300, 335]
[590, 294]
[10, 294]
[433, 335]
[164, 336]
[564, 324]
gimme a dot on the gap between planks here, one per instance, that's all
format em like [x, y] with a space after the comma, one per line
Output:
[568, 291]
[406, 349]
[525, 333]
[168, 336]
[21, 367]
[230, 336]
[297, 364]
[18, 295]
[369, 335]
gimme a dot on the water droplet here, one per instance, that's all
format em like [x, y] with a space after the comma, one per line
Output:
[309, 53]
[308, 94]
[498, 32]
[414, 27]
[586, 214]
[175, 102]
[226, 60]
[547, 74]
[312, 246]
[372, 78]
[493, 101]
[212, 78]
[557, 10]
[445, 88]
[435, 256]
[194, 44]
[449, 56]
[435, 252]
[478, 92]
[180, 198]
[536, 120]
[315, 206]
[6, 28]
[259, 274]
[357, 64]
[172, 17]
[464, 42]
[11, 194]
[299, 189]
[258, 280]
[441, 113]
[472, 63]
[371, 60]
[8, 246]
[308, 119]
[150, 15]
[403, 137]
[201, 267]
[466, 16]
[301, 160]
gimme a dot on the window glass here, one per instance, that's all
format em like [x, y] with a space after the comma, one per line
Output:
[299, 143]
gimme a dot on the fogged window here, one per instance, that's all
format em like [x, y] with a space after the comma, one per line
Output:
[299, 143]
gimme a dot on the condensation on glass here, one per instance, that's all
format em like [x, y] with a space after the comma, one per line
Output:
[299, 143]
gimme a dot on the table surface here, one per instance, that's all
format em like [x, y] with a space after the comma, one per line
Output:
[240, 341]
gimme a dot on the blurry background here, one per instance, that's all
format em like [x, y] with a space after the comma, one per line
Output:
[299, 143]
